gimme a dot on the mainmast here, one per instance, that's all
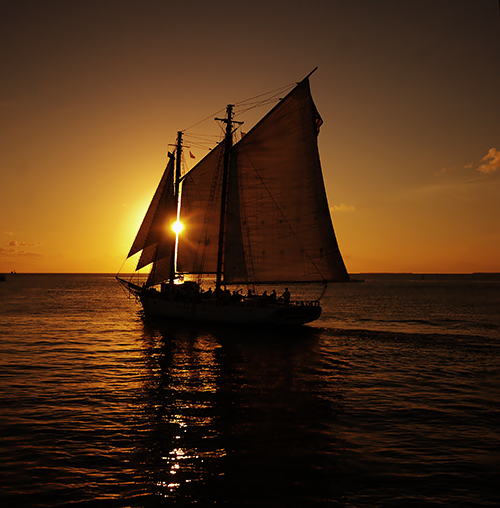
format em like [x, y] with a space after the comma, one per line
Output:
[227, 147]
[177, 179]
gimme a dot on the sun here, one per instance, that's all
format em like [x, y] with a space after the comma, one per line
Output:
[177, 227]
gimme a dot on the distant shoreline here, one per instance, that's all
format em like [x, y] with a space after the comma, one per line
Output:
[472, 277]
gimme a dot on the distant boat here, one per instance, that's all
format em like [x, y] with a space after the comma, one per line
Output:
[254, 212]
[2, 277]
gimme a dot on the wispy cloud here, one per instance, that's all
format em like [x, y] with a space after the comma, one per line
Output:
[487, 165]
[447, 170]
[13, 253]
[463, 190]
[342, 208]
[15, 243]
[491, 161]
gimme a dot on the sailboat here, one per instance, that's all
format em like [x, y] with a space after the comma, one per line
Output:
[253, 212]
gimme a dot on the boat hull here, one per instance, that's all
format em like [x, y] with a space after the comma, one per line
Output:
[244, 313]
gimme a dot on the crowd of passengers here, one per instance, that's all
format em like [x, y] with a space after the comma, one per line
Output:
[192, 292]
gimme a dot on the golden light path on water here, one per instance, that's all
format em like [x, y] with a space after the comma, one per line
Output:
[191, 381]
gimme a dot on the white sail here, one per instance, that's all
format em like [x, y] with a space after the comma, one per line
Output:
[200, 215]
[148, 255]
[161, 207]
[277, 210]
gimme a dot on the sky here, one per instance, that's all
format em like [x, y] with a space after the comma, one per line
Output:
[93, 92]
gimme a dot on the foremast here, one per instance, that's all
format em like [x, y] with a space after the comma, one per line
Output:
[177, 179]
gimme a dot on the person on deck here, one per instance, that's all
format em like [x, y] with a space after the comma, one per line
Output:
[286, 297]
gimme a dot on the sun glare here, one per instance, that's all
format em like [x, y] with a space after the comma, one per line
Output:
[177, 227]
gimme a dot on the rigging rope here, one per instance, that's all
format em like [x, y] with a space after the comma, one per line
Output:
[251, 105]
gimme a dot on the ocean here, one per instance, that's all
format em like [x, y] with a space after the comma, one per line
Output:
[391, 399]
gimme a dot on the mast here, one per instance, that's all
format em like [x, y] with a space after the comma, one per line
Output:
[225, 172]
[178, 153]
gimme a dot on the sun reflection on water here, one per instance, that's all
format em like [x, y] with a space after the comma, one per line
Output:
[184, 384]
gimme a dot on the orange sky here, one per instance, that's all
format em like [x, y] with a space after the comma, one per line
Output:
[93, 91]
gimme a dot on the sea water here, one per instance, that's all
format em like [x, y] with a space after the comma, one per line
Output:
[392, 398]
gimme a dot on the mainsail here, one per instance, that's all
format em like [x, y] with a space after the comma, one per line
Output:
[277, 221]
[281, 210]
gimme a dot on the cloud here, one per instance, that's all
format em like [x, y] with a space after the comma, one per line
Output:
[342, 208]
[12, 250]
[13, 253]
[442, 171]
[491, 161]
[15, 243]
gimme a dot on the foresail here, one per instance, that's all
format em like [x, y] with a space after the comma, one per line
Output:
[155, 238]
[148, 255]
[161, 207]
[200, 214]
[160, 271]
[278, 218]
